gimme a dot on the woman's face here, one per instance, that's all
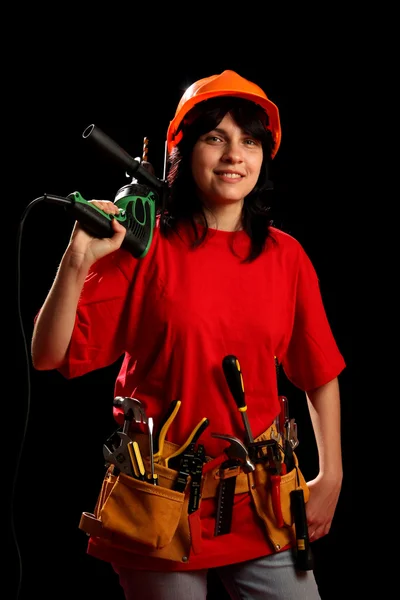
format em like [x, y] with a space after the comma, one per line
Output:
[226, 164]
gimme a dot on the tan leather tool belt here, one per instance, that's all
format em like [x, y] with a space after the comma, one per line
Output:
[153, 520]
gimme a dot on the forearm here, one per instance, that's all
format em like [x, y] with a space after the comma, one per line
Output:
[324, 407]
[55, 323]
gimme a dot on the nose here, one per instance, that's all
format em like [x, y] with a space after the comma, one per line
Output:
[233, 153]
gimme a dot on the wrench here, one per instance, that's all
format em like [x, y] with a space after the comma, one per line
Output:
[120, 457]
[292, 433]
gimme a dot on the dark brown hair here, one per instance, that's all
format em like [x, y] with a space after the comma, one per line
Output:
[183, 203]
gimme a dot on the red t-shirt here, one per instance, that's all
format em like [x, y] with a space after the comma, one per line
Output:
[174, 315]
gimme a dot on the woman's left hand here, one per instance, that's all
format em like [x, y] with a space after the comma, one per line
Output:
[321, 506]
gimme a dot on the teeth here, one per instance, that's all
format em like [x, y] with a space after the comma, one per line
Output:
[231, 175]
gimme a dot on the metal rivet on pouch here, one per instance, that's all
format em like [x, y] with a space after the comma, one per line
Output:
[184, 558]
[253, 486]
[278, 547]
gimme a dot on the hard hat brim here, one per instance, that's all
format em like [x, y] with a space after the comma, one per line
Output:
[174, 135]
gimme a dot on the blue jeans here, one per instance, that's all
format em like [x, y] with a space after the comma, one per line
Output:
[271, 577]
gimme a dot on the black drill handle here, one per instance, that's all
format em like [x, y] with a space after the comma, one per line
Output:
[304, 559]
[121, 157]
[233, 376]
[99, 224]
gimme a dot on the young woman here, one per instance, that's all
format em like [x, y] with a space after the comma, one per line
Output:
[218, 280]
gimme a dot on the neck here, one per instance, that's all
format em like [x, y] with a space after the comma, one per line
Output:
[224, 218]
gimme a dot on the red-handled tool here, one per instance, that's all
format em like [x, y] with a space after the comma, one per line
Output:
[276, 468]
[283, 416]
[276, 499]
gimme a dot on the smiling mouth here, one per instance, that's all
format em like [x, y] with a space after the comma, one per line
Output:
[229, 174]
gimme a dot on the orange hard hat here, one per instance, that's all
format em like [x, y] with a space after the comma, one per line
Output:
[227, 83]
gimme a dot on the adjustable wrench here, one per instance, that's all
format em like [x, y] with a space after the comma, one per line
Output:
[120, 457]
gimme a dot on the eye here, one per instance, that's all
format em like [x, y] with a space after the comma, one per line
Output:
[251, 142]
[213, 138]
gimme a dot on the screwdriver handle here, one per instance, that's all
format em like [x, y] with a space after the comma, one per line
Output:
[304, 559]
[139, 460]
[234, 379]
[152, 477]
[133, 461]
[283, 416]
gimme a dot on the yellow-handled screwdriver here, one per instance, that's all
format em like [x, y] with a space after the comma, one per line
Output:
[137, 461]
[152, 476]
[234, 378]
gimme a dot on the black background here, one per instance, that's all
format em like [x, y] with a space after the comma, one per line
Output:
[61, 425]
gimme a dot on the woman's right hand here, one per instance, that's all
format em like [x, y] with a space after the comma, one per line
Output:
[85, 248]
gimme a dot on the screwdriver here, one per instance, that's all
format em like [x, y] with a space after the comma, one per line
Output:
[136, 459]
[133, 461]
[152, 476]
[234, 378]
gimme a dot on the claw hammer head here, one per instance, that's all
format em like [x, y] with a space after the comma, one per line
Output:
[133, 409]
[236, 450]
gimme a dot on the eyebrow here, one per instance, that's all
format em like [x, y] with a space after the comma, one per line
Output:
[218, 130]
[222, 130]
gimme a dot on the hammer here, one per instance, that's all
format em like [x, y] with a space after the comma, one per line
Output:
[133, 410]
[237, 451]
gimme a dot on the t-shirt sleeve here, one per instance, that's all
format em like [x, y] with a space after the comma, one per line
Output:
[98, 338]
[312, 357]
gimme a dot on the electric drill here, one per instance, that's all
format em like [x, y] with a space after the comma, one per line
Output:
[137, 202]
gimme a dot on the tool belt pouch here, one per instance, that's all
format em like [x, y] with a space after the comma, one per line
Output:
[140, 517]
[260, 489]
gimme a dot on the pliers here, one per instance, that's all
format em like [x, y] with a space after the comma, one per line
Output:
[191, 441]
[160, 439]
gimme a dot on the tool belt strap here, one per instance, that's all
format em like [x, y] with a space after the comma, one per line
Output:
[91, 525]
[211, 477]
[211, 473]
